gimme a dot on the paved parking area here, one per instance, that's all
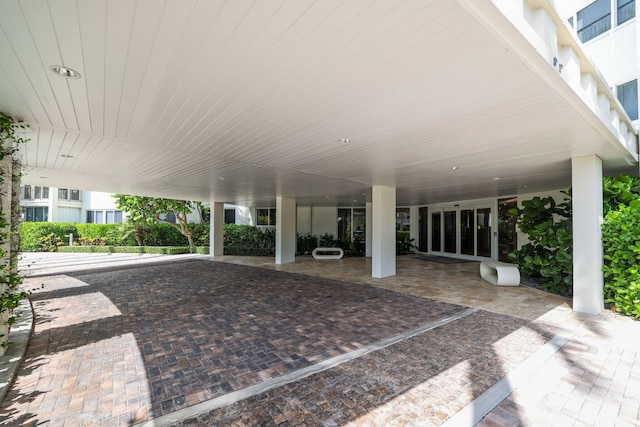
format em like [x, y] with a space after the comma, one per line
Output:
[202, 342]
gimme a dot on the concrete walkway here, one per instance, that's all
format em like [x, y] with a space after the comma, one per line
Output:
[106, 352]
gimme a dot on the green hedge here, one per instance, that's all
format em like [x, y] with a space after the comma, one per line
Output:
[165, 250]
[249, 240]
[621, 243]
[32, 234]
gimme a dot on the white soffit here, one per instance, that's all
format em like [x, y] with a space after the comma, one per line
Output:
[248, 100]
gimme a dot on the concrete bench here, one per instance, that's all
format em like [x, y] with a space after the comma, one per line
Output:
[500, 273]
[327, 253]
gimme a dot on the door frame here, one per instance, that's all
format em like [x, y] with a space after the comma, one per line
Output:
[458, 207]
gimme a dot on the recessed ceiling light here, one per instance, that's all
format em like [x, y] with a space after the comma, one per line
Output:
[221, 178]
[66, 156]
[327, 197]
[344, 140]
[497, 178]
[65, 72]
[455, 167]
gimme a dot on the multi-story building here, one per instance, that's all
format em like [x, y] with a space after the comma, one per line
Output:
[50, 204]
[40, 203]
[609, 32]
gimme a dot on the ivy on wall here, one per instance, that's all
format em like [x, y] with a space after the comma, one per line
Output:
[10, 279]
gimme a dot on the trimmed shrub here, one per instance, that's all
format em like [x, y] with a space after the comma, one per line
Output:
[621, 242]
[32, 234]
[97, 234]
[249, 240]
[163, 250]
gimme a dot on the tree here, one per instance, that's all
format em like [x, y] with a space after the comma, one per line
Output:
[143, 210]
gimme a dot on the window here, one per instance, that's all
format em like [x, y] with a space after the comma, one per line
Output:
[351, 224]
[34, 192]
[402, 224]
[36, 214]
[229, 216]
[26, 192]
[98, 217]
[626, 11]
[628, 96]
[266, 216]
[66, 194]
[594, 20]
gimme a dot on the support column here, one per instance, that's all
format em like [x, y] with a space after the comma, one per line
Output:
[384, 231]
[588, 282]
[216, 231]
[414, 224]
[285, 230]
[368, 229]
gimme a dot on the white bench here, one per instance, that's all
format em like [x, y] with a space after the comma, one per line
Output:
[500, 273]
[327, 253]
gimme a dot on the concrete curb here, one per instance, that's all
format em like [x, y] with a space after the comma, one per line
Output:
[19, 336]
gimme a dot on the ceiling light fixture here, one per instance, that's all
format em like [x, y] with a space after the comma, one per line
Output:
[497, 178]
[65, 72]
[344, 141]
[455, 168]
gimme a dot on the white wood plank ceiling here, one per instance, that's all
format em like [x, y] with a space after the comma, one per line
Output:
[239, 101]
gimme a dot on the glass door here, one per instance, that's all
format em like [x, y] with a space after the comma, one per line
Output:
[467, 232]
[462, 231]
[436, 232]
[423, 240]
[483, 232]
[450, 232]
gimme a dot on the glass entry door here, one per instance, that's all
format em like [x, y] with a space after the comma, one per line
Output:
[461, 231]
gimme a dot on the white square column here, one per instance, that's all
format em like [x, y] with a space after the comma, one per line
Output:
[286, 238]
[216, 229]
[588, 281]
[383, 236]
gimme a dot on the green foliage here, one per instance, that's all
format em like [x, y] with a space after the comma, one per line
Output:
[249, 240]
[50, 243]
[621, 242]
[405, 247]
[163, 250]
[200, 233]
[619, 190]
[548, 255]
[10, 278]
[306, 243]
[96, 234]
[33, 233]
[148, 210]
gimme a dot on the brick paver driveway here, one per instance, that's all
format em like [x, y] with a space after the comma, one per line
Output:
[129, 345]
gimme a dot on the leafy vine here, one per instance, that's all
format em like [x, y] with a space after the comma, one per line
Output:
[10, 280]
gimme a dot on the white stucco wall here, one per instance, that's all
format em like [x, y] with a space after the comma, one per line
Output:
[324, 220]
[303, 219]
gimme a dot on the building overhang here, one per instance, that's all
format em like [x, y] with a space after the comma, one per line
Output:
[239, 102]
